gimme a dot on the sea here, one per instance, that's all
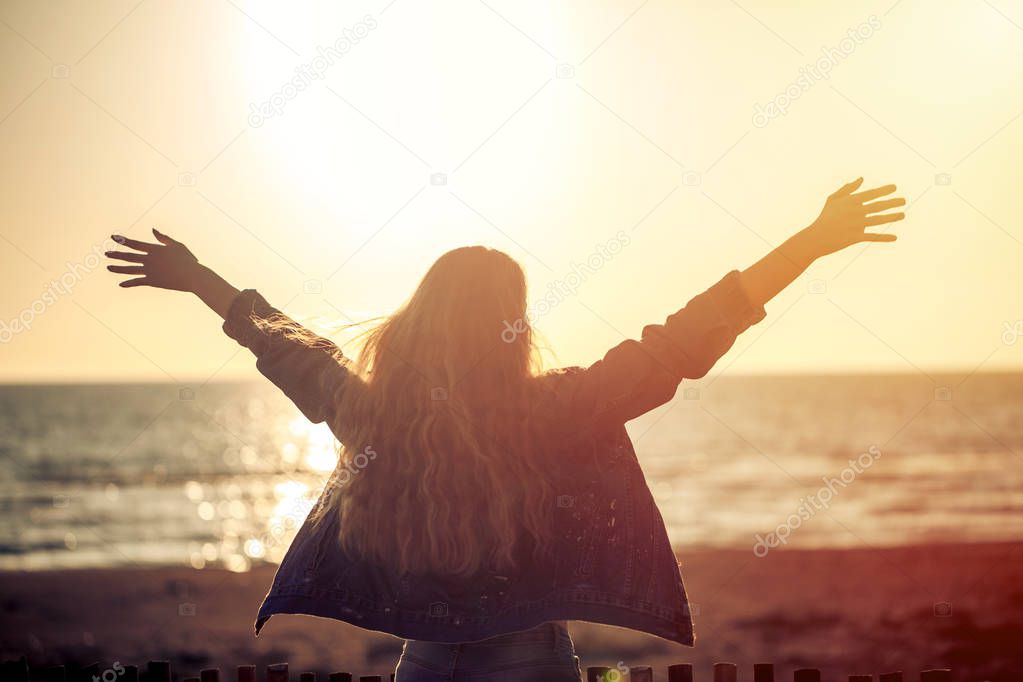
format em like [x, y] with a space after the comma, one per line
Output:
[222, 475]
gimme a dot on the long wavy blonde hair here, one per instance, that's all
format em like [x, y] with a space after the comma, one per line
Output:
[441, 468]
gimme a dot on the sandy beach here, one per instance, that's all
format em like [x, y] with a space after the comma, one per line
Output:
[845, 611]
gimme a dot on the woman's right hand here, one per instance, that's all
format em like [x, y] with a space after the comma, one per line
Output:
[167, 265]
[846, 215]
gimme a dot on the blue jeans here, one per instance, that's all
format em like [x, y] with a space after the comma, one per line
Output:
[543, 654]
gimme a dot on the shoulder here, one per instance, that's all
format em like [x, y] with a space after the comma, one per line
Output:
[554, 384]
[554, 397]
[554, 375]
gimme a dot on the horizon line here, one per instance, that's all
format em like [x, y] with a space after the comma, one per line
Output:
[152, 381]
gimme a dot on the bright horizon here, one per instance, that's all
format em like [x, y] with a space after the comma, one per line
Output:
[557, 131]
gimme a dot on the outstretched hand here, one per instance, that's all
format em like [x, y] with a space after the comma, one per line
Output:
[167, 265]
[843, 222]
[847, 214]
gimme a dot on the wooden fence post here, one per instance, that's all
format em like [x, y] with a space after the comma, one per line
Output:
[763, 672]
[725, 672]
[209, 675]
[131, 674]
[936, 675]
[158, 671]
[680, 672]
[340, 677]
[895, 676]
[277, 672]
[807, 675]
[86, 673]
[641, 673]
[16, 671]
[246, 673]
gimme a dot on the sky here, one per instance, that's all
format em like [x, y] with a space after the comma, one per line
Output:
[627, 153]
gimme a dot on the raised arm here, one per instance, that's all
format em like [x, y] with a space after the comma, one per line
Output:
[637, 376]
[310, 369]
[841, 223]
[170, 265]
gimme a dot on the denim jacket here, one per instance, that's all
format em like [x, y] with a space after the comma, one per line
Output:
[613, 563]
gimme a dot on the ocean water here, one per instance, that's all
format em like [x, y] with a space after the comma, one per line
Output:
[222, 475]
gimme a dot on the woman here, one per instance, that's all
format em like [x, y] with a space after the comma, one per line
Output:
[478, 504]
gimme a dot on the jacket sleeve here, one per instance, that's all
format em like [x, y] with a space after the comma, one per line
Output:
[636, 376]
[309, 369]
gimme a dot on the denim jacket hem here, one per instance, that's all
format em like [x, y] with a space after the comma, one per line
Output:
[595, 607]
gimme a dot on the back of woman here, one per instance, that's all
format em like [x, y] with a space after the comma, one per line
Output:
[479, 504]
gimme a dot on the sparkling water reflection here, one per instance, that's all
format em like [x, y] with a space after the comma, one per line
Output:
[136, 475]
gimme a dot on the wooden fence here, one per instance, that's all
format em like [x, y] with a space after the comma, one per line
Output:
[160, 671]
